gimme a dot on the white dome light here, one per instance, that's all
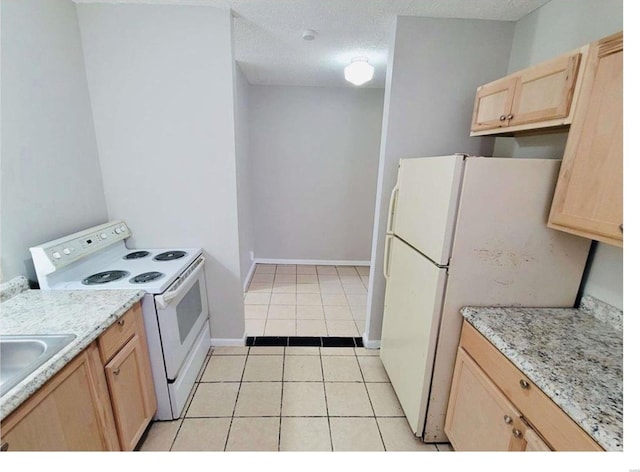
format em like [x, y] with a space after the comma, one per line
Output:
[359, 71]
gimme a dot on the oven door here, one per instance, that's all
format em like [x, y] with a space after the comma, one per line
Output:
[182, 311]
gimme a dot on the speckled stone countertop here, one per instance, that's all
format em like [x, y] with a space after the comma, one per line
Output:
[13, 287]
[573, 356]
[85, 313]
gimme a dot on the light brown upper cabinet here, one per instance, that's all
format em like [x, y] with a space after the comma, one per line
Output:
[588, 196]
[541, 96]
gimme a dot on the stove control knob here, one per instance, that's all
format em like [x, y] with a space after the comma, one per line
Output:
[118, 231]
[123, 228]
[103, 235]
[56, 255]
[67, 251]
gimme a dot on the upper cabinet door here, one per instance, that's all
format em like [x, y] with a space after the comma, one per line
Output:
[545, 92]
[588, 197]
[493, 104]
[541, 96]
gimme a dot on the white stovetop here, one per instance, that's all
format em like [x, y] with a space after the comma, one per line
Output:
[72, 280]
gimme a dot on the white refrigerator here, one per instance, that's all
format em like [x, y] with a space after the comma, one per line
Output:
[465, 231]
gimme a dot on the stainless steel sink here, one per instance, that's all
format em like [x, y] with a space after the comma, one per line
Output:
[20, 355]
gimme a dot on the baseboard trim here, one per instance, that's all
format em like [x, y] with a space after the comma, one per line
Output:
[259, 260]
[228, 341]
[247, 280]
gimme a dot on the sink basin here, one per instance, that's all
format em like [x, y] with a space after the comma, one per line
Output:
[20, 355]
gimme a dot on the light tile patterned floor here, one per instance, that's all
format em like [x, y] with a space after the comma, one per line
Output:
[306, 300]
[289, 399]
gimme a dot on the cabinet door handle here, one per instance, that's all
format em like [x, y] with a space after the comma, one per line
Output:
[621, 227]
[524, 384]
[517, 433]
[508, 419]
[121, 322]
[4, 447]
[503, 117]
[509, 116]
[116, 371]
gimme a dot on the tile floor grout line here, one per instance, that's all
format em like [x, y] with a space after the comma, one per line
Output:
[281, 397]
[195, 388]
[226, 442]
[181, 419]
[326, 400]
[371, 404]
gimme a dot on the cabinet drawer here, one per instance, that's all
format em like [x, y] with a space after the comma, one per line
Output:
[562, 433]
[118, 334]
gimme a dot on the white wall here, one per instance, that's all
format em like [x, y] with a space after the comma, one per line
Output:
[314, 155]
[245, 211]
[436, 66]
[51, 182]
[161, 81]
[558, 27]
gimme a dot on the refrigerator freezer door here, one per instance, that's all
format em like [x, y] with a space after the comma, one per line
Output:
[413, 301]
[426, 204]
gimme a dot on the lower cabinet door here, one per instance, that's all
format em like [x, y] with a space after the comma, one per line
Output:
[71, 412]
[479, 416]
[132, 396]
[533, 442]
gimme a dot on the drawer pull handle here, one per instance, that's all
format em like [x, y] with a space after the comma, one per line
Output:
[524, 384]
[116, 371]
[121, 322]
[517, 433]
[508, 419]
[4, 447]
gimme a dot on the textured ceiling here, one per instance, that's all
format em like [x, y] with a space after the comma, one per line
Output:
[268, 33]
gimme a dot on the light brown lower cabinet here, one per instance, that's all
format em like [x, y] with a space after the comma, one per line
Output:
[103, 400]
[480, 417]
[533, 442]
[494, 407]
[71, 412]
[128, 374]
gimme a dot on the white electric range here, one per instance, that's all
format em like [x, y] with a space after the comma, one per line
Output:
[175, 307]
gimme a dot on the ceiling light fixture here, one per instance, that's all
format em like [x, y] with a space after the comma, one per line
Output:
[359, 71]
[309, 35]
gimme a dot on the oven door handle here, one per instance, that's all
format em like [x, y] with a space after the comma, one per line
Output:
[180, 286]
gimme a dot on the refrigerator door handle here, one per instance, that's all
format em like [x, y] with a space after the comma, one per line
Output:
[385, 262]
[392, 208]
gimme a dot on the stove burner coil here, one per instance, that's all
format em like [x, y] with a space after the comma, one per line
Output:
[146, 277]
[169, 256]
[136, 255]
[104, 277]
